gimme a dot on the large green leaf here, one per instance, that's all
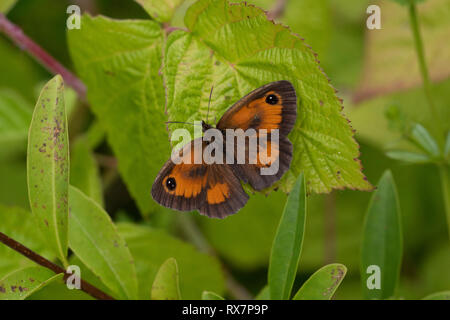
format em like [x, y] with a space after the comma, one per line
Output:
[323, 283]
[166, 285]
[17, 224]
[48, 166]
[382, 241]
[161, 11]
[15, 118]
[236, 49]
[287, 245]
[150, 248]
[94, 239]
[84, 172]
[6, 5]
[20, 284]
[119, 62]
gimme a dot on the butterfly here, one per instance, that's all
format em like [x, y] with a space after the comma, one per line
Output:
[215, 189]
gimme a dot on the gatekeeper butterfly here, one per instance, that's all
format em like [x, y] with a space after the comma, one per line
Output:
[214, 189]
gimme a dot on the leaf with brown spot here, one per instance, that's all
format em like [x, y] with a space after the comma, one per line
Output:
[166, 284]
[48, 166]
[20, 284]
[323, 283]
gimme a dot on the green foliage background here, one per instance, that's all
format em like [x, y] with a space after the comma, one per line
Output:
[375, 72]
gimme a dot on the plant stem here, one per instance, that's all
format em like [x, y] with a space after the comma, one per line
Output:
[278, 9]
[424, 69]
[444, 173]
[20, 248]
[443, 169]
[16, 34]
[330, 228]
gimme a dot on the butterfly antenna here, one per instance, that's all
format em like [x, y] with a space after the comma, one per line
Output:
[209, 103]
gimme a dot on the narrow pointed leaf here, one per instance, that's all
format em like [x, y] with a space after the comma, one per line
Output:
[208, 295]
[166, 285]
[423, 138]
[411, 157]
[287, 245]
[20, 284]
[382, 242]
[264, 294]
[48, 166]
[94, 239]
[447, 145]
[323, 283]
[444, 295]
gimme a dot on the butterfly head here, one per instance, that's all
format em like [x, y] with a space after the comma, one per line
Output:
[206, 126]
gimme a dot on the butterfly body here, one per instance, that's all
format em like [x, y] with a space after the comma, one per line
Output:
[214, 189]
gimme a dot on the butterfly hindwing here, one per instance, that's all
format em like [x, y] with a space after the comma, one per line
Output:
[212, 189]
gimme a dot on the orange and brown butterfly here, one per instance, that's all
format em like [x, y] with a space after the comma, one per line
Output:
[215, 190]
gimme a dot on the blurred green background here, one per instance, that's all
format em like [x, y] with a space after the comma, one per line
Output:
[377, 74]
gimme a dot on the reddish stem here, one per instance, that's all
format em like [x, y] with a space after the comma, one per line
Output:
[16, 34]
[20, 248]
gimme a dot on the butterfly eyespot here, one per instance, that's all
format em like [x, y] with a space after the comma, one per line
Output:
[272, 99]
[171, 184]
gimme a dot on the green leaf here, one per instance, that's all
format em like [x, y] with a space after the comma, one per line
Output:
[84, 172]
[151, 247]
[287, 245]
[424, 140]
[323, 283]
[15, 118]
[444, 295]
[382, 241]
[407, 156]
[208, 295]
[48, 166]
[21, 283]
[161, 11]
[93, 237]
[6, 5]
[236, 49]
[166, 285]
[447, 145]
[264, 294]
[119, 62]
[59, 291]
